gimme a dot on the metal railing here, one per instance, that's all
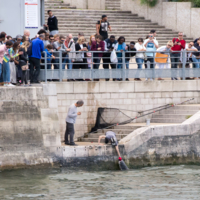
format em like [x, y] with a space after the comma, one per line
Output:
[120, 71]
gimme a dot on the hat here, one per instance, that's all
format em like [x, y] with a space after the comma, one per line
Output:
[18, 37]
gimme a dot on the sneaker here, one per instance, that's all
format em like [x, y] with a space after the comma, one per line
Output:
[73, 144]
[146, 79]
[5, 84]
[176, 79]
[10, 85]
[172, 78]
[151, 79]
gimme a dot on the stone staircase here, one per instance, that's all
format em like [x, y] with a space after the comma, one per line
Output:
[173, 115]
[112, 4]
[131, 26]
[121, 132]
[177, 114]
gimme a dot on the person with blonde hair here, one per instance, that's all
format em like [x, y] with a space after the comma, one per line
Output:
[81, 57]
[56, 37]
[162, 56]
[23, 62]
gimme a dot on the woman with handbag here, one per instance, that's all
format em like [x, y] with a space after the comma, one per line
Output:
[23, 62]
[162, 56]
[81, 57]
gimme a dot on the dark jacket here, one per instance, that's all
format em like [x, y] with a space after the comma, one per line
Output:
[77, 48]
[109, 45]
[52, 23]
[23, 58]
[130, 54]
[101, 45]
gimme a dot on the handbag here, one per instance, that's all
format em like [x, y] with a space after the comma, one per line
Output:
[79, 57]
[161, 58]
[24, 67]
[113, 57]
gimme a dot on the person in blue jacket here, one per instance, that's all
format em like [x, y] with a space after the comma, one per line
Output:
[37, 48]
[49, 51]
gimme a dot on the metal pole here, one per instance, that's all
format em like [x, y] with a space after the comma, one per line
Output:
[123, 66]
[92, 67]
[45, 65]
[184, 56]
[60, 66]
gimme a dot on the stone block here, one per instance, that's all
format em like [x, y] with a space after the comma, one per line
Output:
[185, 85]
[82, 151]
[49, 115]
[153, 86]
[105, 96]
[114, 95]
[131, 95]
[69, 152]
[127, 101]
[51, 140]
[117, 87]
[49, 89]
[70, 96]
[65, 88]
[86, 87]
[62, 96]
[65, 102]
[53, 101]
[166, 94]
[144, 101]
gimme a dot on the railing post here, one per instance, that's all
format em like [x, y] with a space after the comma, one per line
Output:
[123, 66]
[60, 66]
[45, 66]
[153, 66]
[184, 57]
[92, 67]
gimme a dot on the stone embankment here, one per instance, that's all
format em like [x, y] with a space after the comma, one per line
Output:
[32, 124]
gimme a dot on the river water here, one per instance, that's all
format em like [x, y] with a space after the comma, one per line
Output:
[166, 183]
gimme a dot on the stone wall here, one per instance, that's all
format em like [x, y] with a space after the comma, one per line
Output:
[134, 96]
[28, 126]
[87, 4]
[179, 16]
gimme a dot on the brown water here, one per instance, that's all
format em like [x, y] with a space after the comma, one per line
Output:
[166, 183]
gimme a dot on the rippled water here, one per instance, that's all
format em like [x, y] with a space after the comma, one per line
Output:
[175, 182]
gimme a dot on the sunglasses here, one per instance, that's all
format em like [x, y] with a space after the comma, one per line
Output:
[139, 41]
[62, 40]
[180, 35]
[51, 39]
[150, 36]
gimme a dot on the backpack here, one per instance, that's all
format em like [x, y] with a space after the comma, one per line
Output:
[29, 50]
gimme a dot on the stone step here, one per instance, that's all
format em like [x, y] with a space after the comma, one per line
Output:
[96, 135]
[186, 107]
[117, 131]
[169, 116]
[113, 8]
[95, 140]
[166, 120]
[121, 127]
[110, 4]
[53, 1]
[96, 18]
[56, 4]
[108, 1]
[61, 7]
[186, 112]
[106, 12]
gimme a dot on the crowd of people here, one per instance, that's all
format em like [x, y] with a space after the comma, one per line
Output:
[21, 53]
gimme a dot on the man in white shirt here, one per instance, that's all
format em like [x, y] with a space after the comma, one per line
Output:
[151, 45]
[70, 121]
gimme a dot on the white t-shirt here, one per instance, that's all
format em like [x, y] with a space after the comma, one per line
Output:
[150, 47]
[139, 46]
[82, 48]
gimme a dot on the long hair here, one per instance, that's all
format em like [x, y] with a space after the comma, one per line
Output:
[25, 45]
[90, 42]
[15, 46]
[81, 39]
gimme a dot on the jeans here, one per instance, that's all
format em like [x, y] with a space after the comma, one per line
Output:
[1, 70]
[48, 64]
[56, 65]
[106, 61]
[175, 59]
[196, 62]
[24, 76]
[119, 65]
[139, 62]
[69, 132]
[151, 60]
[127, 63]
[6, 72]
[68, 61]
[34, 62]
[97, 63]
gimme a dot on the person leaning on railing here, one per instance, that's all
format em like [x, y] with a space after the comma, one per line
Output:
[162, 56]
[120, 46]
[81, 57]
[196, 55]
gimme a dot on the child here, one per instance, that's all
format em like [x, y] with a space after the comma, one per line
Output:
[49, 49]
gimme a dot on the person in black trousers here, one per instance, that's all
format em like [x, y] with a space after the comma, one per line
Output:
[52, 23]
[23, 60]
[37, 48]
[109, 46]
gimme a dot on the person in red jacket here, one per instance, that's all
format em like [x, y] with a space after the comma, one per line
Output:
[179, 44]
[98, 45]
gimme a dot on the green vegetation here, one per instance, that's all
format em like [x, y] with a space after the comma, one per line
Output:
[152, 3]
[188, 116]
